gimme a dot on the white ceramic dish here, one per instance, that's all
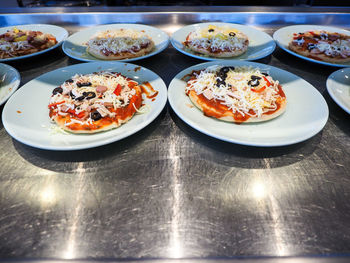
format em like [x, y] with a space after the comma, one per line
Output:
[25, 115]
[75, 45]
[260, 43]
[285, 34]
[9, 82]
[59, 32]
[305, 115]
[338, 86]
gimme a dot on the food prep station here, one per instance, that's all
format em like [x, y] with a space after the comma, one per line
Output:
[169, 192]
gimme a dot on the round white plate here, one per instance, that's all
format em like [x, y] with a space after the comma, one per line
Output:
[305, 115]
[338, 86]
[59, 32]
[9, 81]
[284, 35]
[260, 43]
[75, 45]
[25, 115]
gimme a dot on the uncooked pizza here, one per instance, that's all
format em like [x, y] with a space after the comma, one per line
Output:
[217, 41]
[18, 42]
[322, 45]
[95, 102]
[119, 44]
[236, 94]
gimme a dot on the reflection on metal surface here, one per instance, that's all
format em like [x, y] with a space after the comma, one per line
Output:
[175, 246]
[70, 251]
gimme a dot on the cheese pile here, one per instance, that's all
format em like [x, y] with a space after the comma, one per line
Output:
[109, 81]
[236, 93]
[119, 40]
[217, 38]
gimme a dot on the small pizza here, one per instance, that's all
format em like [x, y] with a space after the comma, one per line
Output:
[95, 102]
[217, 41]
[322, 45]
[120, 44]
[236, 94]
[17, 42]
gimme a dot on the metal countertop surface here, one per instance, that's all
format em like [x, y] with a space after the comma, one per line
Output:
[169, 191]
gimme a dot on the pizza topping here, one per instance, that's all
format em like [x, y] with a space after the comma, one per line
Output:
[322, 42]
[246, 91]
[217, 39]
[119, 41]
[78, 97]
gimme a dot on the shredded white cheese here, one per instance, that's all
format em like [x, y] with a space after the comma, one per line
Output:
[235, 92]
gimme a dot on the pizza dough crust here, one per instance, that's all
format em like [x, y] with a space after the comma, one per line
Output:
[229, 116]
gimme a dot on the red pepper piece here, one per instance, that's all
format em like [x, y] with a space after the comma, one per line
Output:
[118, 90]
[259, 90]
[268, 83]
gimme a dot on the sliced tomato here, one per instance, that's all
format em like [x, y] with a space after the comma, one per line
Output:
[118, 90]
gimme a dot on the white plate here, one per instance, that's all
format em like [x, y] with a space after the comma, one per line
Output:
[338, 86]
[9, 81]
[260, 43]
[305, 115]
[75, 45]
[285, 34]
[25, 115]
[59, 32]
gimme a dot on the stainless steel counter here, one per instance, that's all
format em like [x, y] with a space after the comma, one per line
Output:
[169, 191]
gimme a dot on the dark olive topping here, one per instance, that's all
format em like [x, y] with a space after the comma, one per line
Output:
[80, 98]
[222, 75]
[57, 90]
[220, 82]
[71, 95]
[253, 83]
[265, 74]
[69, 81]
[232, 34]
[225, 69]
[310, 46]
[253, 77]
[211, 30]
[83, 84]
[95, 116]
[89, 95]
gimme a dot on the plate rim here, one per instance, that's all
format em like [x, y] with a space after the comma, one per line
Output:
[245, 142]
[65, 36]
[18, 76]
[276, 39]
[165, 45]
[105, 141]
[183, 51]
[331, 78]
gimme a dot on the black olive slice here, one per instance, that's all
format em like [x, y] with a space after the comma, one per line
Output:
[80, 98]
[225, 69]
[265, 74]
[95, 115]
[211, 30]
[83, 84]
[71, 95]
[253, 83]
[222, 75]
[310, 46]
[69, 81]
[232, 34]
[89, 95]
[253, 77]
[57, 90]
